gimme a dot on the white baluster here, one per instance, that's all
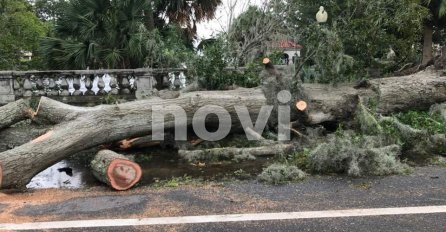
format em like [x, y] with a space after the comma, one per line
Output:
[183, 80]
[83, 85]
[95, 87]
[132, 82]
[107, 80]
[71, 88]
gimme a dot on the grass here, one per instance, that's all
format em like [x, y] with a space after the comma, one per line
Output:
[174, 182]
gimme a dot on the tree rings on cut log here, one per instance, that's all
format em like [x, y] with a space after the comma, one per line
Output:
[115, 170]
[123, 174]
[301, 105]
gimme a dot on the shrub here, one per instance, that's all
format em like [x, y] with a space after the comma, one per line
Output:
[281, 173]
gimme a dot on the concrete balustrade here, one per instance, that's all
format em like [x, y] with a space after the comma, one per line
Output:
[81, 86]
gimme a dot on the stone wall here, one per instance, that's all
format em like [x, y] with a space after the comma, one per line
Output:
[80, 86]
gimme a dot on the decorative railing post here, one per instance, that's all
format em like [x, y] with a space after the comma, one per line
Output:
[6, 88]
[146, 84]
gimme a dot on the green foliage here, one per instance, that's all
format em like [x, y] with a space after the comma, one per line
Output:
[168, 49]
[20, 31]
[123, 34]
[437, 8]
[420, 135]
[438, 161]
[110, 99]
[281, 173]
[99, 34]
[211, 73]
[357, 36]
[300, 159]
[327, 58]
[357, 156]
[143, 159]
[367, 121]
[423, 121]
[49, 10]
[174, 182]
[275, 57]
[183, 13]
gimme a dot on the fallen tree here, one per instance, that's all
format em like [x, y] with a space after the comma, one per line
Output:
[79, 128]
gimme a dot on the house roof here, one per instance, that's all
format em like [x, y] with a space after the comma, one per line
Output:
[284, 44]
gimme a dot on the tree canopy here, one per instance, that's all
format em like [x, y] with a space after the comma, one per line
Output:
[250, 34]
[357, 36]
[122, 34]
[20, 32]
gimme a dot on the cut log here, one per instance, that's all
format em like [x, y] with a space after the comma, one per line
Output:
[231, 152]
[115, 170]
[301, 105]
[85, 128]
[15, 112]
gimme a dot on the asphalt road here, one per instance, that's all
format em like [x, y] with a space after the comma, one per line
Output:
[425, 187]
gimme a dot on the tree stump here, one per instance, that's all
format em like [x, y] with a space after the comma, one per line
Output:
[115, 170]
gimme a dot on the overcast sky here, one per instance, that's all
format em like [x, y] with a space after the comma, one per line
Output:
[210, 29]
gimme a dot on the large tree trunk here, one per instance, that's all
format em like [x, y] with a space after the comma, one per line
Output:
[427, 44]
[82, 128]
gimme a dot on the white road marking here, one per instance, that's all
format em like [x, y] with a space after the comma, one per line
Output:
[226, 218]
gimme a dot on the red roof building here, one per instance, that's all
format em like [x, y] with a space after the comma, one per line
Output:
[286, 45]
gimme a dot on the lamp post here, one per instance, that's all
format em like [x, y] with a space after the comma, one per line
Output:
[322, 15]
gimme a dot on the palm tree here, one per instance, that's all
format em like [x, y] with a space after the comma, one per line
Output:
[99, 34]
[186, 13]
[118, 34]
[437, 21]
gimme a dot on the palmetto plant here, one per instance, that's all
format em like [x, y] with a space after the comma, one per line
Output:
[99, 34]
[115, 34]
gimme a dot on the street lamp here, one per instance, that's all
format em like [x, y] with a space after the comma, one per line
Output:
[322, 15]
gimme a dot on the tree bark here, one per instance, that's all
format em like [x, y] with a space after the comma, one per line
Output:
[115, 170]
[388, 95]
[17, 136]
[231, 152]
[14, 112]
[427, 44]
[81, 128]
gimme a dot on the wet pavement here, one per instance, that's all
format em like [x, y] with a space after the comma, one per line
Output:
[425, 187]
